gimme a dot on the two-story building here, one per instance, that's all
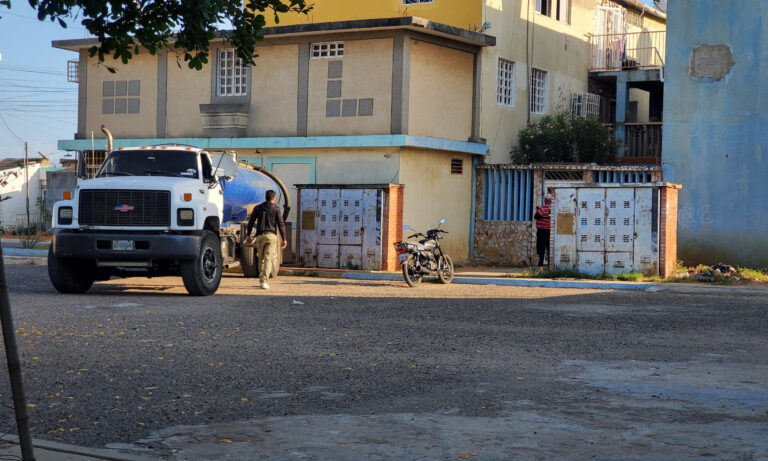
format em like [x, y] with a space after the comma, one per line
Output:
[408, 92]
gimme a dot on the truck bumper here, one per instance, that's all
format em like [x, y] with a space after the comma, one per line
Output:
[98, 245]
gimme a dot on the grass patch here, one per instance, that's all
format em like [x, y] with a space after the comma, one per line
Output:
[571, 274]
[760, 275]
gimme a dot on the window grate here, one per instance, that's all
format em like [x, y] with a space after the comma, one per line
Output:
[538, 91]
[232, 75]
[585, 104]
[507, 195]
[73, 71]
[624, 176]
[563, 175]
[457, 166]
[505, 91]
[327, 50]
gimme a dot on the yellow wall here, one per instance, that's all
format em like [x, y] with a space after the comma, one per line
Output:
[187, 89]
[366, 73]
[142, 67]
[440, 92]
[432, 192]
[466, 14]
[562, 50]
[274, 89]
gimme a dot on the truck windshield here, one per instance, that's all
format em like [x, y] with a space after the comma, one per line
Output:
[181, 164]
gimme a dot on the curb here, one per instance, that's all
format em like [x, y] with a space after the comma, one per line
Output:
[24, 252]
[631, 286]
[95, 453]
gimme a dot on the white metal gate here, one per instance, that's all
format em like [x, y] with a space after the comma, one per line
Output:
[611, 229]
[341, 228]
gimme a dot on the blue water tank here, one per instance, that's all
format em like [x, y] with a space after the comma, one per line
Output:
[244, 191]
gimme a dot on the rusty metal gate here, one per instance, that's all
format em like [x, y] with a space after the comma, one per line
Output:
[607, 228]
[340, 228]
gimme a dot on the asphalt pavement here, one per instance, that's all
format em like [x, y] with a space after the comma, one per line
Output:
[338, 369]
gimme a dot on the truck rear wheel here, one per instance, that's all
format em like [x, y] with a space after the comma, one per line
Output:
[69, 276]
[202, 275]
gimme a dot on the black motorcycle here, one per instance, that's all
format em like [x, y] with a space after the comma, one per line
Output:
[424, 258]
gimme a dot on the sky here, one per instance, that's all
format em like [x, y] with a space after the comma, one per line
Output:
[37, 104]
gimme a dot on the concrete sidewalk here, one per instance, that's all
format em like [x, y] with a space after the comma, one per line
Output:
[55, 451]
[474, 276]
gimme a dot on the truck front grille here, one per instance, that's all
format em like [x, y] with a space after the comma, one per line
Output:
[125, 208]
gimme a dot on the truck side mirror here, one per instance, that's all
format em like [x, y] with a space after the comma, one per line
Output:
[224, 164]
[82, 166]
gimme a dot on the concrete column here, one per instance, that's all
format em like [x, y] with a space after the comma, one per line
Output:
[622, 101]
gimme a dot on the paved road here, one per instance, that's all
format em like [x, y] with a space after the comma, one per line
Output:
[346, 370]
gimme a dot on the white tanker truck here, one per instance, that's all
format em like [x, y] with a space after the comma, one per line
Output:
[159, 211]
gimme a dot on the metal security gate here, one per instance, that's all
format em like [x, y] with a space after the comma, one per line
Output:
[340, 228]
[612, 229]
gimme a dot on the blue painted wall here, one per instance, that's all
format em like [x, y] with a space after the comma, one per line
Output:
[716, 132]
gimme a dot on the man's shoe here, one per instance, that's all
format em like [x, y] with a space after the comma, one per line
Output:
[265, 285]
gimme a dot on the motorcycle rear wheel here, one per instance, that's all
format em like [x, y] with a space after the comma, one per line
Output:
[411, 276]
[445, 270]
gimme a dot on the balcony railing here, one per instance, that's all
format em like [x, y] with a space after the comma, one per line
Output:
[633, 50]
[643, 141]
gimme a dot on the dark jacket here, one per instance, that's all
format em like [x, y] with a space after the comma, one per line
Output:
[268, 218]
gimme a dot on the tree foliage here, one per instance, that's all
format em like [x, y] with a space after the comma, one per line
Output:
[564, 138]
[123, 27]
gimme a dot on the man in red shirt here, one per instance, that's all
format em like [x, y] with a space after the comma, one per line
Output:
[542, 218]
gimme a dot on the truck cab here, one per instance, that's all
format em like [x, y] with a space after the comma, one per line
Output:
[150, 210]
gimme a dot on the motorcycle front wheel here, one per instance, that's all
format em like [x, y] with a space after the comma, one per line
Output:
[411, 275]
[445, 270]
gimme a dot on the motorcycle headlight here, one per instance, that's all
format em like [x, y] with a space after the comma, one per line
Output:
[65, 215]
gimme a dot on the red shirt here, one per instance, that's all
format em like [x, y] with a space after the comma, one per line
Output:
[542, 222]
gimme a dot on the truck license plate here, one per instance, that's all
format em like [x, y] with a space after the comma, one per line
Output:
[122, 245]
[402, 257]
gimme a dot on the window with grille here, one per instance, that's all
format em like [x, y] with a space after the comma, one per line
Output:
[585, 104]
[507, 195]
[538, 91]
[505, 91]
[457, 166]
[73, 72]
[327, 50]
[232, 75]
[634, 19]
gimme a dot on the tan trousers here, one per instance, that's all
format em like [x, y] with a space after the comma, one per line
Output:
[266, 245]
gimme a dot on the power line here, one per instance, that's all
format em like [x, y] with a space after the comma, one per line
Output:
[9, 128]
[21, 69]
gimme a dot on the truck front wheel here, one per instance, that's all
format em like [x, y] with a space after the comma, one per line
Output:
[69, 276]
[202, 275]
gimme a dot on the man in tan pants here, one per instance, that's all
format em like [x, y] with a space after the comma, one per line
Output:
[268, 221]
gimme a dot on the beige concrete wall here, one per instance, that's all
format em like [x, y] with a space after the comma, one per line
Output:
[142, 67]
[339, 166]
[274, 90]
[432, 192]
[562, 50]
[366, 73]
[440, 92]
[187, 89]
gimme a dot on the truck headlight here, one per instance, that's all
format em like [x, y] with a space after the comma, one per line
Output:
[185, 217]
[65, 215]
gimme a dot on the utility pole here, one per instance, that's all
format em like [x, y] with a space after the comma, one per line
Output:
[14, 367]
[26, 177]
